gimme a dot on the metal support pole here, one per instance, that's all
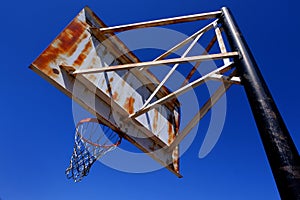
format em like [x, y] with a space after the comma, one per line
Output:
[281, 151]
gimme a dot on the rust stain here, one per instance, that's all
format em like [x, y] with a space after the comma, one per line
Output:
[71, 36]
[129, 105]
[115, 96]
[175, 156]
[92, 77]
[43, 63]
[170, 130]
[108, 90]
[94, 61]
[90, 66]
[82, 56]
[177, 123]
[64, 44]
[176, 165]
[111, 79]
[155, 119]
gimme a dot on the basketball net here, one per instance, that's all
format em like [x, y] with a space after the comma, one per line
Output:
[92, 141]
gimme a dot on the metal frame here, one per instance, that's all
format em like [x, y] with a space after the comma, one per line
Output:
[286, 165]
[216, 75]
[280, 149]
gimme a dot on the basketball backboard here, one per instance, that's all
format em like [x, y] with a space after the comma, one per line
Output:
[111, 96]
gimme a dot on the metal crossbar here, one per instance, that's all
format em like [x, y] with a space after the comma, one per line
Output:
[203, 110]
[182, 90]
[158, 63]
[161, 22]
[172, 70]
[187, 40]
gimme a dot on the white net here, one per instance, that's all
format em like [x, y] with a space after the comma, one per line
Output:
[92, 141]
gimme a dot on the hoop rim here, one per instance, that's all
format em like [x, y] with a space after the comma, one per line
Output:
[95, 120]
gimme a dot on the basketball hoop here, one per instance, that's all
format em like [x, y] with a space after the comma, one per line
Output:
[92, 141]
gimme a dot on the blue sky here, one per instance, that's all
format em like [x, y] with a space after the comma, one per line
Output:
[37, 124]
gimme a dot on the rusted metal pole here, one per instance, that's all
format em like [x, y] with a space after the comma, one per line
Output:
[280, 149]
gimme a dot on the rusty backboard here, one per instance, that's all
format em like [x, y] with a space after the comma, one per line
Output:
[111, 96]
